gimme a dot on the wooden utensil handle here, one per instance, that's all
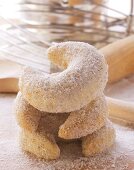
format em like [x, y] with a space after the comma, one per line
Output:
[120, 58]
[121, 109]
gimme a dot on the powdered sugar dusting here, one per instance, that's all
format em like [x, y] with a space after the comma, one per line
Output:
[119, 157]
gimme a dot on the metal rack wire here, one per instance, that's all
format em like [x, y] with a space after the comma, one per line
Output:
[37, 24]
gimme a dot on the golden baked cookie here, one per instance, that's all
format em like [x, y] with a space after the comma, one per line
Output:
[33, 120]
[40, 145]
[99, 141]
[86, 120]
[83, 79]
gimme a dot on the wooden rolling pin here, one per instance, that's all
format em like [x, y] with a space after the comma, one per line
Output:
[121, 110]
[120, 59]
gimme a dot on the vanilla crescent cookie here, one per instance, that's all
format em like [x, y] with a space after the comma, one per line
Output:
[27, 117]
[33, 120]
[83, 79]
[86, 120]
[99, 141]
[40, 145]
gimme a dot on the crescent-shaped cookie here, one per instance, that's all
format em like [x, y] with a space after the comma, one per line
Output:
[99, 141]
[83, 79]
[40, 145]
[86, 120]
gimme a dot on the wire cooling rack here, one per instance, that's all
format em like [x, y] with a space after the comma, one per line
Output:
[28, 27]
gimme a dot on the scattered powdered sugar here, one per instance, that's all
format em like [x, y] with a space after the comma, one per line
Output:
[119, 157]
[123, 89]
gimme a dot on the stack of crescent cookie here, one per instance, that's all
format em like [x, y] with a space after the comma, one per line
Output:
[67, 105]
